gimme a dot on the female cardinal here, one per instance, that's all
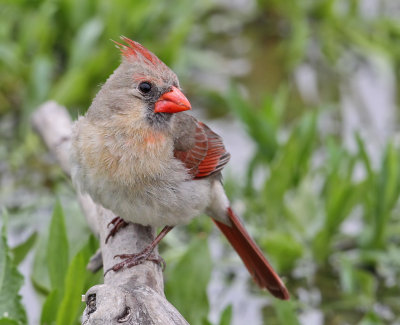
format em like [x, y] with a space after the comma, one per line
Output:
[136, 153]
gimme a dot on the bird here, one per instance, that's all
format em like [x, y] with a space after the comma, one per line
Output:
[138, 153]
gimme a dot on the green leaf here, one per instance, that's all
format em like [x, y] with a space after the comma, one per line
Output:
[85, 41]
[357, 282]
[263, 131]
[372, 318]
[187, 281]
[71, 306]
[284, 249]
[286, 312]
[41, 77]
[8, 321]
[63, 305]
[320, 245]
[205, 321]
[226, 316]
[387, 194]
[19, 252]
[362, 152]
[11, 308]
[57, 249]
[290, 164]
[40, 272]
[50, 307]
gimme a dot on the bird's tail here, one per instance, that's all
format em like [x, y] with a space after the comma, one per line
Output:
[251, 255]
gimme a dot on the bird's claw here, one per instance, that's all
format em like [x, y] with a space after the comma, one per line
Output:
[131, 260]
[117, 224]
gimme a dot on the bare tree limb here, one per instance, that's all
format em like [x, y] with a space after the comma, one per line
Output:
[131, 296]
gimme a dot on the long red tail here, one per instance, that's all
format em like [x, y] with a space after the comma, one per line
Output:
[251, 255]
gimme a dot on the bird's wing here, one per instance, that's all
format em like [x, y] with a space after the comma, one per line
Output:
[200, 149]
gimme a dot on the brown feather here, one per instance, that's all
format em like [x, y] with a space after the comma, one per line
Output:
[207, 155]
[251, 255]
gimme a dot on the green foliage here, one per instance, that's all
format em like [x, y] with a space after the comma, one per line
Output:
[226, 316]
[11, 309]
[340, 194]
[68, 280]
[19, 252]
[77, 281]
[386, 187]
[40, 275]
[188, 293]
[283, 249]
[357, 283]
[291, 163]
[57, 249]
[261, 124]
[286, 312]
[305, 206]
[8, 321]
[62, 50]
[49, 309]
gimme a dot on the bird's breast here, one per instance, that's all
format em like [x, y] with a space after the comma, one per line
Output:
[137, 157]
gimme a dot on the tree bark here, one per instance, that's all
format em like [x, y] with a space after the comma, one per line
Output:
[132, 295]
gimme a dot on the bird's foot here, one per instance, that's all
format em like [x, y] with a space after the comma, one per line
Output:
[131, 260]
[117, 223]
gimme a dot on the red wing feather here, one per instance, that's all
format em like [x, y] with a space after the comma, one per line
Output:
[208, 155]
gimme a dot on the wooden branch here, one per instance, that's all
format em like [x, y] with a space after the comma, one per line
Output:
[134, 295]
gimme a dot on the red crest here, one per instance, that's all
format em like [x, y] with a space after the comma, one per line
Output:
[135, 50]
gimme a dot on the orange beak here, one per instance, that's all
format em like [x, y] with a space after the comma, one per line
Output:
[173, 101]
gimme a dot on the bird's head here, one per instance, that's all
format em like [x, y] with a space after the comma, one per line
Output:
[142, 88]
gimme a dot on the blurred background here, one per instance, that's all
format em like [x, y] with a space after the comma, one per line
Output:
[305, 94]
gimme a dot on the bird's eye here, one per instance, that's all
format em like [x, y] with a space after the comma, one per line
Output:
[145, 87]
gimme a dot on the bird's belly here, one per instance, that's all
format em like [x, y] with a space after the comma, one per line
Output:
[158, 204]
